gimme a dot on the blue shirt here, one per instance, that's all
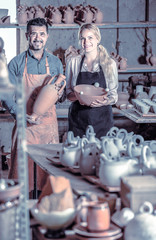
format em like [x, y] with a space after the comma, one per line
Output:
[34, 66]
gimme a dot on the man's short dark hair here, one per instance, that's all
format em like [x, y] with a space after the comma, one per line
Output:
[37, 22]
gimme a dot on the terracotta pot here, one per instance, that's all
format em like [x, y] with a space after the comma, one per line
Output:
[68, 15]
[152, 60]
[98, 216]
[48, 96]
[123, 64]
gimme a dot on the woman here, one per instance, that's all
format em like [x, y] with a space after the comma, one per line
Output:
[93, 65]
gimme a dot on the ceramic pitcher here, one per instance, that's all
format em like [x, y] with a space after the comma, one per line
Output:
[109, 148]
[70, 155]
[89, 156]
[48, 95]
[110, 172]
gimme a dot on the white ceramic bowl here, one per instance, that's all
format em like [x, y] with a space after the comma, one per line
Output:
[86, 93]
[54, 220]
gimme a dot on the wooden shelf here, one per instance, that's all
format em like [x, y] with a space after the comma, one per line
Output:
[139, 69]
[107, 25]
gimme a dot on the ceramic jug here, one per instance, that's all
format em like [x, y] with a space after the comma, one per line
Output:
[135, 146]
[90, 134]
[152, 60]
[149, 158]
[70, 155]
[121, 147]
[98, 15]
[88, 158]
[112, 132]
[123, 64]
[71, 140]
[39, 12]
[48, 95]
[31, 13]
[55, 16]
[109, 148]
[110, 172]
[152, 91]
[22, 16]
[68, 15]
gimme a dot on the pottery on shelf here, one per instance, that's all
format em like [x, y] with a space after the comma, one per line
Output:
[68, 15]
[123, 64]
[88, 158]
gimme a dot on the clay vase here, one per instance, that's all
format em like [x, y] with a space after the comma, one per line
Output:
[112, 132]
[89, 156]
[31, 13]
[123, 64]
[148, 157]
[39, 12]
[98, 15]
[109, 148]
[68, 15]
[55, 16]
[48, 96]
[147, 59]
[110, 172]
[152, 60]
[88, 15]
[71, 140]
[22, 17]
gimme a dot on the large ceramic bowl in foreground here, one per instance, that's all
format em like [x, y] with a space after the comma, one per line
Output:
[86, 94]
[55, 220]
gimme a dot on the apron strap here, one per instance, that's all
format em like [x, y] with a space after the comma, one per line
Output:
[47, 66]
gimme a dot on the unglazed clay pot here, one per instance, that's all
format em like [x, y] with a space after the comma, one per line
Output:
[55, 16]
[68, 15]
[48, 96]
[123, 64]
[88, 158]
[152, 60]
[98, 216]
[70, 155]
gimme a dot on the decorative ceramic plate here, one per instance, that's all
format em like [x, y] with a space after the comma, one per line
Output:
[81, 229]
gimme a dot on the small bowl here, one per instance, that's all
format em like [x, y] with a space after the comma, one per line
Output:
[55, 220]
[86, 94]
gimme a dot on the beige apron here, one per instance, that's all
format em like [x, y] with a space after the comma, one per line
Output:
[44, 133]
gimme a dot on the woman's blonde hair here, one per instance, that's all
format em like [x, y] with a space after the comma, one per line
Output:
[105, 59]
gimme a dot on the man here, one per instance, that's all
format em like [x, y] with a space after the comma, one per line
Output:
[34, 67]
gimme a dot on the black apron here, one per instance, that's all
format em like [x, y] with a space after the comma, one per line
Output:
[80, 116]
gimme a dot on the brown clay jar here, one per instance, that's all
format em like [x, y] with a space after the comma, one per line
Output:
[98, 217]
[48, 96]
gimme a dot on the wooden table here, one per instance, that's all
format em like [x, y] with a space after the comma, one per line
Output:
[38, 234]
[40, 154]
[136, 117]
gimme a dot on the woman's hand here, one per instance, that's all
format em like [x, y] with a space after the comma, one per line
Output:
[99, 103]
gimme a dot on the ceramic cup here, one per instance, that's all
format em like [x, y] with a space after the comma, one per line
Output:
[98, 216]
